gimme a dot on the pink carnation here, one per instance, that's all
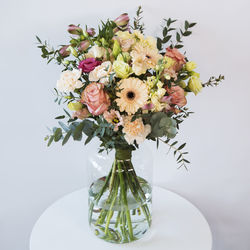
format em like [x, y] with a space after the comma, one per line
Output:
[177, 96]
[177, 56]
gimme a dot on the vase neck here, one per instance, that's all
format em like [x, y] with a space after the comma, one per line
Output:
[123, 154]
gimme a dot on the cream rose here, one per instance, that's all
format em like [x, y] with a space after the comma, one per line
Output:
[69, 81]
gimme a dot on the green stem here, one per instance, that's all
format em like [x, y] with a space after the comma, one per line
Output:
[125, 202]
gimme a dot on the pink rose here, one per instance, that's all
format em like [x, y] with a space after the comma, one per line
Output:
[177, 56]
[88, 64]
[177, 96]
[96, 99]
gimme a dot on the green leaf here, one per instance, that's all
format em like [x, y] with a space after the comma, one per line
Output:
[192, 25]
[67, 113]
[178, 37]
[88, 140]
[187, 33]
[77, 135]
[165, 31]
[64, 127]
[58, 134]
[186, 25]
[60, 117]
[50, 140]
[182, 146]
[178, 46]
[159, 43]
[66, 138]
[166, 39]
[38, 39]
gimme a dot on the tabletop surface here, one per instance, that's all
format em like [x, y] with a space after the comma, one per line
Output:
[177, 225]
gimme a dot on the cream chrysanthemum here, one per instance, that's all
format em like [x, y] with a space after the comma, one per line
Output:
[143, 58]
[135, 131]
[132, 94]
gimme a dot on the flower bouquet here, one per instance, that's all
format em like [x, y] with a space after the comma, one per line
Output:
[123, 87]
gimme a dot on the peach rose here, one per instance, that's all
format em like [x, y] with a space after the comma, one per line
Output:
[177, 56]
[177, 96]
[96, 99]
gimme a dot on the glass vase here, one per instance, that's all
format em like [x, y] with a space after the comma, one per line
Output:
[120, 195]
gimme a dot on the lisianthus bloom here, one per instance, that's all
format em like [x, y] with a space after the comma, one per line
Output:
[88, 64]
[132, 94]
[121, 68]
[69, 81]
[190, 66]
[75, 106]
[194, 84]
[83, 45]
[101, 73]
[91, 31]
[177, 95]
[81, 114]
[113, 117]
[64, 52]
[135, 131]
[75, 30]
[122, 21]
[96, 99]
[143, 58]
[177, 56]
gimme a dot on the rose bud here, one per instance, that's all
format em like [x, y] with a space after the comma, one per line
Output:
[75, 30]
[122, 20]
[83, 45]
[91, 31]
[64, 52]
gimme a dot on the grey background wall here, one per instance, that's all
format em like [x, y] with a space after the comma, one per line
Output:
[33, 176]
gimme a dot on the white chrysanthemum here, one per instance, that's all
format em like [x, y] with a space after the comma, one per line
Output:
[69, 81]
[101, 73]
[135, 131]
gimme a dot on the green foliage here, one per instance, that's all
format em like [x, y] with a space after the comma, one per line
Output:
[178, 153]
[162, 125]
[166, 33]
[137, 21]
[213, 81]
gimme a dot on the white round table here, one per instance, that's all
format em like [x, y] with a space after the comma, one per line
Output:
[177, 225]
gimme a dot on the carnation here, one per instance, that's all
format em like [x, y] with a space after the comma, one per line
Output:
[136, 130]
[69, 81]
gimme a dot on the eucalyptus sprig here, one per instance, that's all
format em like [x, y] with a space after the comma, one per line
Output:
[181, 159]
[138, 25]
[213, 81]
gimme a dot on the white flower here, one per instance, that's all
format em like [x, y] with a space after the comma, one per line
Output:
[96, 52]
[101, 73]
[68, 81]
[135, 131]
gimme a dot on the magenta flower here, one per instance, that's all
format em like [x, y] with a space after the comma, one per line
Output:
[88, 64]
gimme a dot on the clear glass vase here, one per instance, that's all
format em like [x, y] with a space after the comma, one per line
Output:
[120, 194]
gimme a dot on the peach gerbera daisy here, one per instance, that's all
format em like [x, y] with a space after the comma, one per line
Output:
[132, 94]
